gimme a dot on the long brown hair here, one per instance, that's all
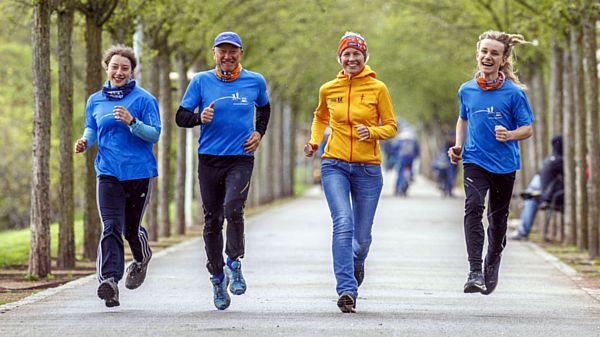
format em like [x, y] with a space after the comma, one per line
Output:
[509, 41]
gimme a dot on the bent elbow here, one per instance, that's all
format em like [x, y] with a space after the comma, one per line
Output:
[529, 132]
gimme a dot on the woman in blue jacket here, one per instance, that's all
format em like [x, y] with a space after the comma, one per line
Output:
[125, 120]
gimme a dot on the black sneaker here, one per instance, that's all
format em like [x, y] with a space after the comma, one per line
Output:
[109, 292]
[491, 274]
[475, 283]
[346, 302]
[359, 273]
[136, 274]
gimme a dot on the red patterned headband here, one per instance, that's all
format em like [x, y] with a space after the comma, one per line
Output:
[351, 40]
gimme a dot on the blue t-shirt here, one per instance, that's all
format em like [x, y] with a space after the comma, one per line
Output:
[233, 119]
[120, 153]
[507, 106]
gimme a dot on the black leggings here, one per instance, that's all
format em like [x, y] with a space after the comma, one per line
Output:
[477, 182]
[224, 184]
[121, 205]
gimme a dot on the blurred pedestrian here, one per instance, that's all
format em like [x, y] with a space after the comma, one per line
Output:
[407, 151]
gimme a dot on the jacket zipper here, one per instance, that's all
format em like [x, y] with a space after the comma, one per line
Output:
[349, 121]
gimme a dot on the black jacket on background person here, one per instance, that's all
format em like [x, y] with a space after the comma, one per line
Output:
[551, 174]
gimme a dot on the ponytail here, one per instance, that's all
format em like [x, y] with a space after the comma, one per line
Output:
[509, 41]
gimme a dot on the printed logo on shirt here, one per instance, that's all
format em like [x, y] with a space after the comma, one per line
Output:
[335, 99]
[239, 100]
[491, 114]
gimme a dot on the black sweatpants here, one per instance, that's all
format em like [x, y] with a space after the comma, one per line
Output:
[121, 205]
[478, 182]
[224, 183]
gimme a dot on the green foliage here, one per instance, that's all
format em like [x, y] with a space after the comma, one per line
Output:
[14, 244]
[15, 137]
[422, 49]
[16, 124]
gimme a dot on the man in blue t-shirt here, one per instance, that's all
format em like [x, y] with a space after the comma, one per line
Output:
[226, 97]
[494, 116]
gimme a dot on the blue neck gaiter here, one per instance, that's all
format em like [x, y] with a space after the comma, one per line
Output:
[117, 93]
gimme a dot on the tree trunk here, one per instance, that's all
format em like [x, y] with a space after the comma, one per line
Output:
[91, 219]
[590, 72]
[556, 114]
[569, 152]
[39, 253]
[556, 87]
[541, 113]
[530, 164]
[152, 209]
[579, 136]
[180, 166]
[66, 236]
[276, 151]
[289, 152]
[164, 146]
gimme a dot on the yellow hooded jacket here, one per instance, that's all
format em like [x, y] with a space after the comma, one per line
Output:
[346, 102]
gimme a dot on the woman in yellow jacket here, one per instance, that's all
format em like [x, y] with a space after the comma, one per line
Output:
[359, 110]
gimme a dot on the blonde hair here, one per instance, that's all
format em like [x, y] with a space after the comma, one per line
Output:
[509, 41]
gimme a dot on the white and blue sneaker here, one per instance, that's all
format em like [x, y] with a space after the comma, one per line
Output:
[238, 284]
[220, 296]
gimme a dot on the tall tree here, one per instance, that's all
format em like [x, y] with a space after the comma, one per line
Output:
[556, 87]
[569, 151]
[39, 253]
[66, 235]
[152, 83]
[96, 13]
[579, 135]
[180, 167]
[590, 16]
[165, 102]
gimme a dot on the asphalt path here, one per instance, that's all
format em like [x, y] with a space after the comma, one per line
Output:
[413, 285]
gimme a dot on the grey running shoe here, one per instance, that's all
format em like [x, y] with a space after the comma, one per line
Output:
[238, 284]
[220, 296]
[347, 302]
[136, 274]
[109, 292]
[475, 283]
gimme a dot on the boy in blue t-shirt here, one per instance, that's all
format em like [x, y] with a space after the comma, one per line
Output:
[494, 116]
[227, 97]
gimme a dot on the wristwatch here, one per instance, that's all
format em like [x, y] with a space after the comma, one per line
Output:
[133, 121]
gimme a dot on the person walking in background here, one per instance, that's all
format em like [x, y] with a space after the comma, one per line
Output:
[494, 116]
[125, 120]
[359, 110]
[228, 96]
[407, 151]
[444, 169]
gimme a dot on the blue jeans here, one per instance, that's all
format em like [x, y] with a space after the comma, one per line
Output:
[352, 191]
[530, 207]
